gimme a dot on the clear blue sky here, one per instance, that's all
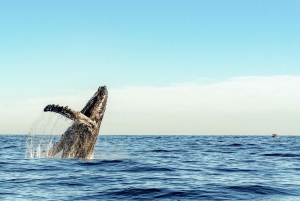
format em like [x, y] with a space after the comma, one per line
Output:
[65, 45]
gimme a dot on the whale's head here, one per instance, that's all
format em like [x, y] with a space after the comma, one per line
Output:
[95, 107]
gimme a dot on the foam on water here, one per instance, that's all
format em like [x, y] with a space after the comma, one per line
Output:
[45, 132]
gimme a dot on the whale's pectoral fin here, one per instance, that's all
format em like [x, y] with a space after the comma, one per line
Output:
[70, 114]
[65, 111]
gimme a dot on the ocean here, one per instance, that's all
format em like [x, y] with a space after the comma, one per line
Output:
[157, 168]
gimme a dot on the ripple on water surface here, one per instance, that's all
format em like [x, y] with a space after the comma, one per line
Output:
[157, 168]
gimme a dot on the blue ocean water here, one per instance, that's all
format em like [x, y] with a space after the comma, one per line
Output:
[157, 168]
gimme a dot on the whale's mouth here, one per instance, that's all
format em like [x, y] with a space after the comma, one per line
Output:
[94, 102]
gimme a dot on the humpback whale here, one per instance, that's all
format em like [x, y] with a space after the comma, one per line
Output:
[80, 138]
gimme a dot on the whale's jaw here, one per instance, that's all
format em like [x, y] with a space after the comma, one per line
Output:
[96, 105]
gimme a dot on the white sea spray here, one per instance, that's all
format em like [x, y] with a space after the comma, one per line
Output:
[44, 133]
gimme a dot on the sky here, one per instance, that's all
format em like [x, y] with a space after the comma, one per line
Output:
[199, 67]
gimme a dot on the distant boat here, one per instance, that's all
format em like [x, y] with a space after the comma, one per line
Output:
[274, 135]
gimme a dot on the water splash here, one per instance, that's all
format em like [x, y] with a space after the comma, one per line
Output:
[45, 132]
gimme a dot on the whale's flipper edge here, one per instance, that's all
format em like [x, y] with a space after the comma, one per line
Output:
[76, 116]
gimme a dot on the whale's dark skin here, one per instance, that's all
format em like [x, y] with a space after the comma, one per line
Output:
[80, 138]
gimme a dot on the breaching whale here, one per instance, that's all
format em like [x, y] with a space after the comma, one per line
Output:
[80, 138]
